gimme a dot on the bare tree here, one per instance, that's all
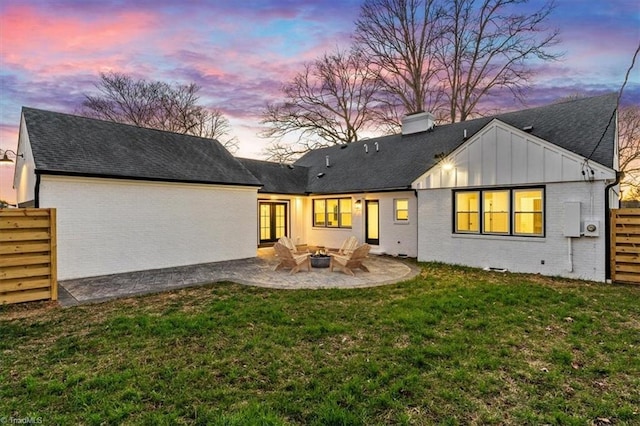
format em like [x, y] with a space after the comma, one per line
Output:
[629, 149]
[486, 46]
[450, 54]
[156, 105]
[330, 102]
[400, 38]
[213, 124]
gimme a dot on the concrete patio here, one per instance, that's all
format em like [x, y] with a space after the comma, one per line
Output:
[256, 271]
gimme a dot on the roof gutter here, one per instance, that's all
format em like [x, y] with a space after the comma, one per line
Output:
[36, 192]
[365, 191]
[137, 178]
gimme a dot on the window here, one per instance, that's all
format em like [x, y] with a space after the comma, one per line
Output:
[495, 210]
[319, 213]
[467, 219]
[527, 212]
[345, 212]
[504, 211]
[401, 207]
[332, 213]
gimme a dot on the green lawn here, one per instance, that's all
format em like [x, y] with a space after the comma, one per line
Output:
[454, 346]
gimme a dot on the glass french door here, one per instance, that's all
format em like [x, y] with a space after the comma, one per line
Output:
[372, 222]
[273, 221]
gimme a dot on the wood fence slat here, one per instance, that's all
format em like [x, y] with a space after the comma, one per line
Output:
[11, 247]
[628, 239]
[628, 220]
[627, 278]
[28, 212]
[28, 269]
[24, 296]
[23, 284]
[627, 249]
[19, 260]
[20, 235]
[24, 222]
[24, 272]
[627, 267]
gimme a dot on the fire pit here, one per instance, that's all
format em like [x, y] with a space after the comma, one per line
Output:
[320, 259]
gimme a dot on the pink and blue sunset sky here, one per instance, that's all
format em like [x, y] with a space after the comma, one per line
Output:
[241, 52]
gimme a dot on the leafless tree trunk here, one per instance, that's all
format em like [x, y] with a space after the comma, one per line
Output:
[156, 105]
[328, 103]
[629, 149]
[448, 55]
[400, 37]
[486, 46]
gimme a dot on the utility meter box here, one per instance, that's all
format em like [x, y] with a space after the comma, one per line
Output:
[591, 228]
[572, 219]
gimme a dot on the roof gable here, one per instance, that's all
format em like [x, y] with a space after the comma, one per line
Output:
[500, 154]
[74, 145]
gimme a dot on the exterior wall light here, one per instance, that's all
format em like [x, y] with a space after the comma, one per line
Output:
[5, 157]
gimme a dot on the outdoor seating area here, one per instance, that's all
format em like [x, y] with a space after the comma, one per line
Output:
[349, 257]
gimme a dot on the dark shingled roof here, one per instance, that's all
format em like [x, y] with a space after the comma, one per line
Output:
[278, 178]
[69, 144]
[573, 125]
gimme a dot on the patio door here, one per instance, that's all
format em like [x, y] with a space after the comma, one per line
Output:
[273, 221]
[372, 222]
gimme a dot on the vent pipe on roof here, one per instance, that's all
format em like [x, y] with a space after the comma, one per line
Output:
[377, 147]
[465, 133]
[326, 158]
[527, 128]
[416, 123]
[366, 148]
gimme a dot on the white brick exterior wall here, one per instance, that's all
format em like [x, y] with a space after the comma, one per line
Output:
[108, 226]
[395, 237]
[436, 241]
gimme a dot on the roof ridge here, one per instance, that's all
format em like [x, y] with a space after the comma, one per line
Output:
[116, 123]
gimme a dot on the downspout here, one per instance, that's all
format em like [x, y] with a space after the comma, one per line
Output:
[36, 192]
[607, 225]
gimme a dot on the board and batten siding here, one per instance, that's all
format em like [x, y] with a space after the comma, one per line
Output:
[108, 226]
[502, 155]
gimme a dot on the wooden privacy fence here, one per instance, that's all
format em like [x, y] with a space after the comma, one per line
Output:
[625, 245]
[27, 255]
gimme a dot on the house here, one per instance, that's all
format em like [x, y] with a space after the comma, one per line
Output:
[526, 191]
[130, 199]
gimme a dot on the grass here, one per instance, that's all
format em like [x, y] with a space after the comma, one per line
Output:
[454, 346]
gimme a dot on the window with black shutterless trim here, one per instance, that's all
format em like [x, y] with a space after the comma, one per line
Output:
[401, 208]
[332, 212]
[503, 211]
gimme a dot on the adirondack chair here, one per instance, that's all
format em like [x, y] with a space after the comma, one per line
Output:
[352, 261]
[349, 245]
[288, 243]
[290, 260]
